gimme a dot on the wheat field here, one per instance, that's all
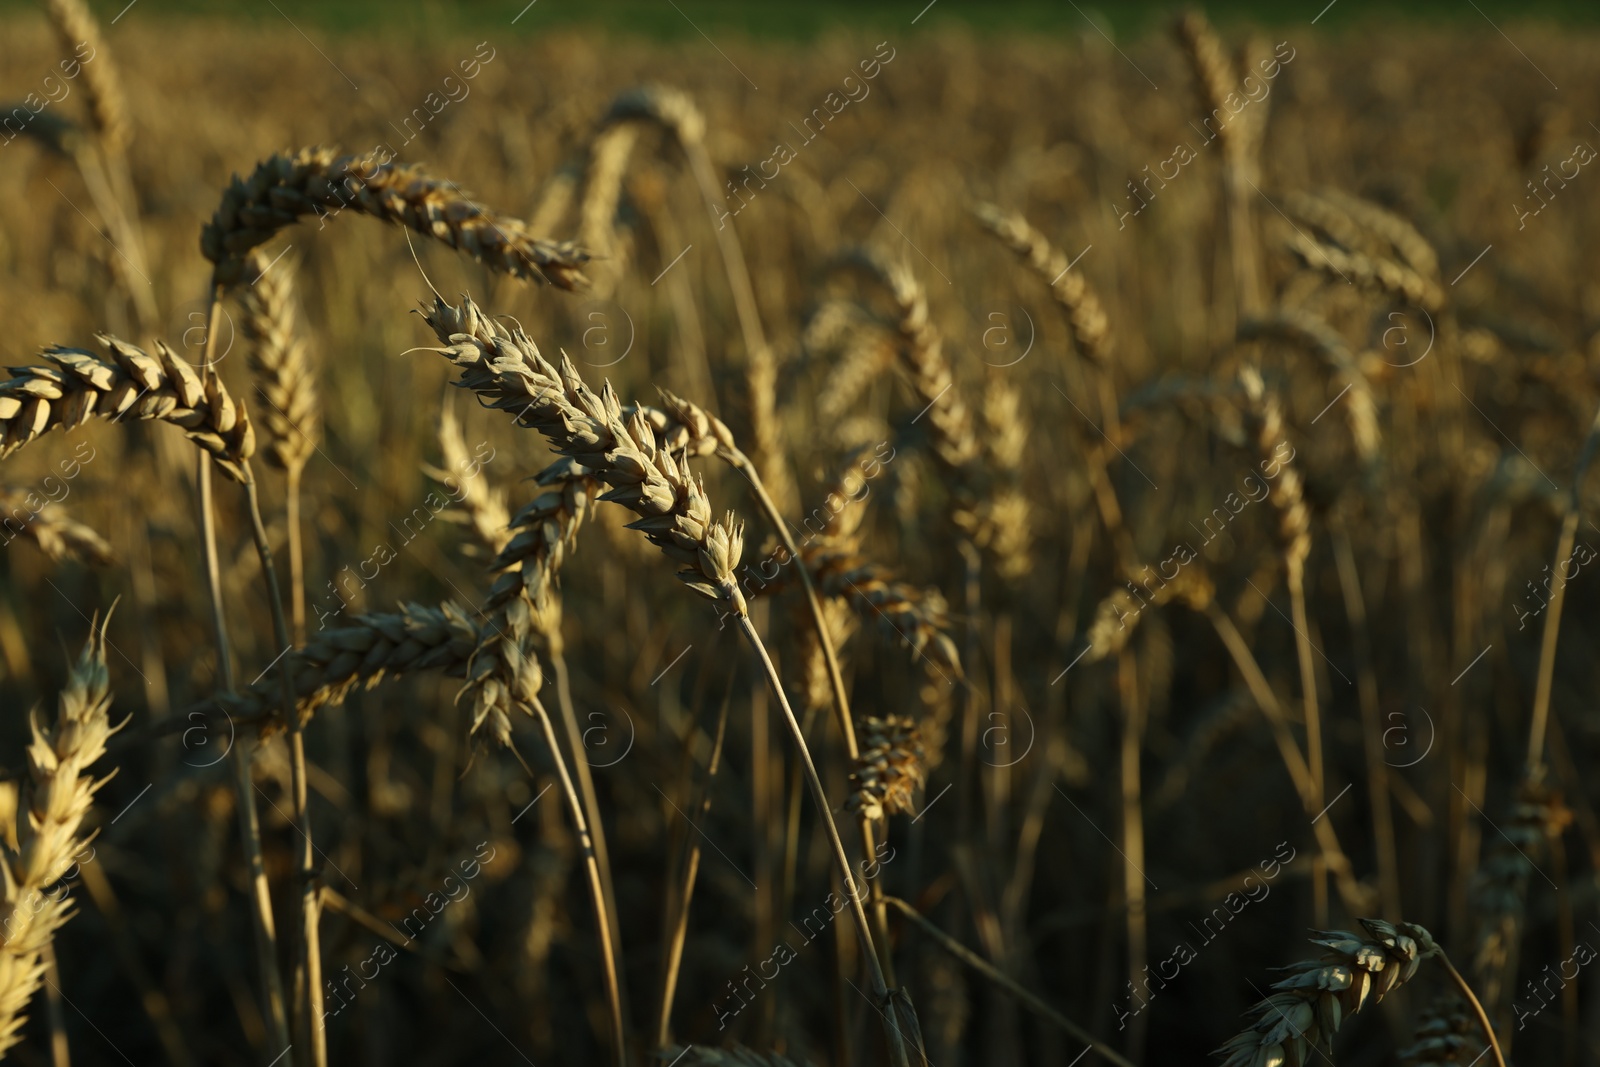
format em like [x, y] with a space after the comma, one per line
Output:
[914, 546]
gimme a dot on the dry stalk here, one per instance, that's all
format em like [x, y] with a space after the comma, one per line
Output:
[48, 839]
[317, 181]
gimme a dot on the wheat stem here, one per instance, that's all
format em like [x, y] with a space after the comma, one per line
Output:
[591, 867]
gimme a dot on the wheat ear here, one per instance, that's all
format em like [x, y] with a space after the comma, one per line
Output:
[62, 791]
[1310, 332]
[108, 108]
[317, 181]
[130, 384]
[1309, 1005]
[58, 535]
[1371, 272]
[507, 372]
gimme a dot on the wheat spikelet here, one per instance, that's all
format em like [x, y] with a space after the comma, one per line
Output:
[1307, 1007]
[131, 384]
[58, 535]
[61, 793]
[1086, 316]
[1308, 330]
[284, 189]
[890, 769]
[1446, 1033]
[1367, 271]
[108, 108]
[482, 506]
[277, 358]
[1265, 416]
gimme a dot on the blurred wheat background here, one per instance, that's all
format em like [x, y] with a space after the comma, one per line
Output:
[1184, 429]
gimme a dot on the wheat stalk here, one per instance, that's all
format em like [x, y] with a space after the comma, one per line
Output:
[317, 181]
[62, 792]
[131, 384]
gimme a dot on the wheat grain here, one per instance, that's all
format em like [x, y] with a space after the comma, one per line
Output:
[62, 791]
[131, 384]
[317, 181]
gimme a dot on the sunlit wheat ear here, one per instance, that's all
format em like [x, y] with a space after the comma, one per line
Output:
[57, 534]
[290, 412]
[1086, 315]
[1307, 1007]
[891, 769]
[318, 182]
[1310, 332]
[131, 384]
[108, 108]
[60, 793]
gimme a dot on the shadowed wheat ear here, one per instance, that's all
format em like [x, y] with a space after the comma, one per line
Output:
[317, 181]
[50, 836]
[1446, 1033]
[131, 384]
[58, 535]
[891, 769]
[479, 504]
